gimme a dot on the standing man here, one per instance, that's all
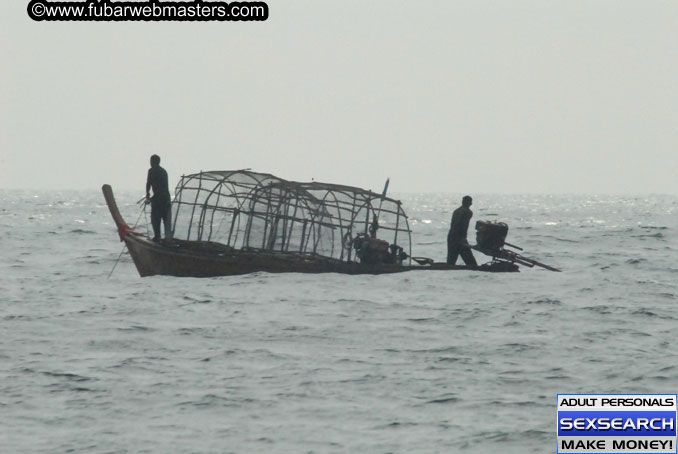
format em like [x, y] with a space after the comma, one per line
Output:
[161, 203]
[457, 244]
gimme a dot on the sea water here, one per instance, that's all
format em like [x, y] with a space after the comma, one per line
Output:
[419, 362]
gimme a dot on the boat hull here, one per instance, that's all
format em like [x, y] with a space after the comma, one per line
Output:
[176, 258]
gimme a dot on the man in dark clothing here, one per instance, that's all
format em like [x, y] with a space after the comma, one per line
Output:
[457, 244]
[161, 203]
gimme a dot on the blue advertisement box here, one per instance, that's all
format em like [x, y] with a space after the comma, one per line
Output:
[617, 423]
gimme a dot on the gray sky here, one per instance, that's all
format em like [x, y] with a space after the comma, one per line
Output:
[450, 96]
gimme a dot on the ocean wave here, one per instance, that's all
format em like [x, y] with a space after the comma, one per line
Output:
[444, 400]
[657, 235]
[83, 232]
[67, 376]
[547, 301]
[653, 227]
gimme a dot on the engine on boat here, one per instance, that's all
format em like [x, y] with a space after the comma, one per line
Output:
[491, 240]
[490, 236]
[374, 251]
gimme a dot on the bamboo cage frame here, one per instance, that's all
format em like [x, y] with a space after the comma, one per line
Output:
[255, 211]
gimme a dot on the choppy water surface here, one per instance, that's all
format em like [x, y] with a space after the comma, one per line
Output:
[420, 362]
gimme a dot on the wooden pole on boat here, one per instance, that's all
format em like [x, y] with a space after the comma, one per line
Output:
[383, 195]
[375, 217]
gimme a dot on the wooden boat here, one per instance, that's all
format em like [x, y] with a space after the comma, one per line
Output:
[238, 222]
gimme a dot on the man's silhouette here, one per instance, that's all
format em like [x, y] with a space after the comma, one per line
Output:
[457, 244]
[161, 203]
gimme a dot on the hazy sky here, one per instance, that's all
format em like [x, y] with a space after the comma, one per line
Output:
[454, 96]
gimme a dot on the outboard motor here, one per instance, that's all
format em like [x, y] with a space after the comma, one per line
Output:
[491, 237]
